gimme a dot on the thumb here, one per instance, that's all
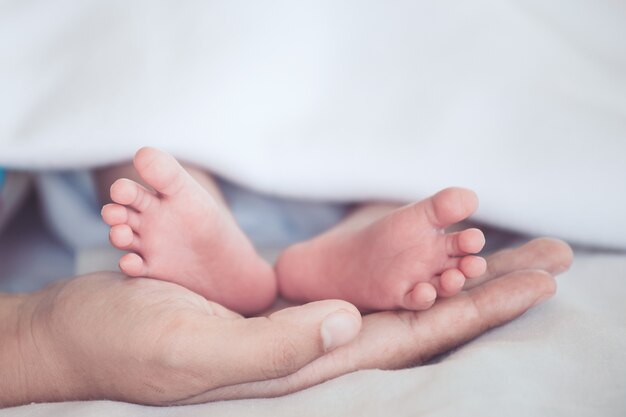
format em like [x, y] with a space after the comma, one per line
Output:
[282, 343]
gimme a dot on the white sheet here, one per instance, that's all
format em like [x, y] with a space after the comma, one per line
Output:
[524, 101]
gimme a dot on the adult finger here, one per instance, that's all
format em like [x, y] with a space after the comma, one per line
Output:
[550, 255]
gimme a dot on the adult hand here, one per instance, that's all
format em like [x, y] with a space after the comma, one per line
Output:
[147, 341]
[103, 336]
[515, 281]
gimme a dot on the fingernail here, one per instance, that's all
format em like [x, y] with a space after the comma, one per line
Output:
[339, 328]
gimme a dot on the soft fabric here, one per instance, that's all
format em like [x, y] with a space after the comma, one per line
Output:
[523, 101]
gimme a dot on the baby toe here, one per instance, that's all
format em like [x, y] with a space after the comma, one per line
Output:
[421, 297]
[122, 237]
[129, 193]
[133, 265]
[123, 191]
[473, 266]
[467, 241]
[114, 214]
[451, 282]
[471, 240]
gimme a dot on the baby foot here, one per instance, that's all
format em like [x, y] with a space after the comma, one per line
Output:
[180, 233]
[403, 260]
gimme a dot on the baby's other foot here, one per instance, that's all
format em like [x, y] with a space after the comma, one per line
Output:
[180, 233]
[403, 260]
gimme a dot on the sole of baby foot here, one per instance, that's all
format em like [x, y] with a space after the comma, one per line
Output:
[404, 260]
[178, 232]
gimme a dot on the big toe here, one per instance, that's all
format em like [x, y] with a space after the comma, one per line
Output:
[450, 206]
[161, 171]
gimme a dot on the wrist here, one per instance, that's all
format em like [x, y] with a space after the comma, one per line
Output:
[13, 387]
[33, 369]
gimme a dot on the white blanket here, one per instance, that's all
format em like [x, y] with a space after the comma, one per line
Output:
[523, 101]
